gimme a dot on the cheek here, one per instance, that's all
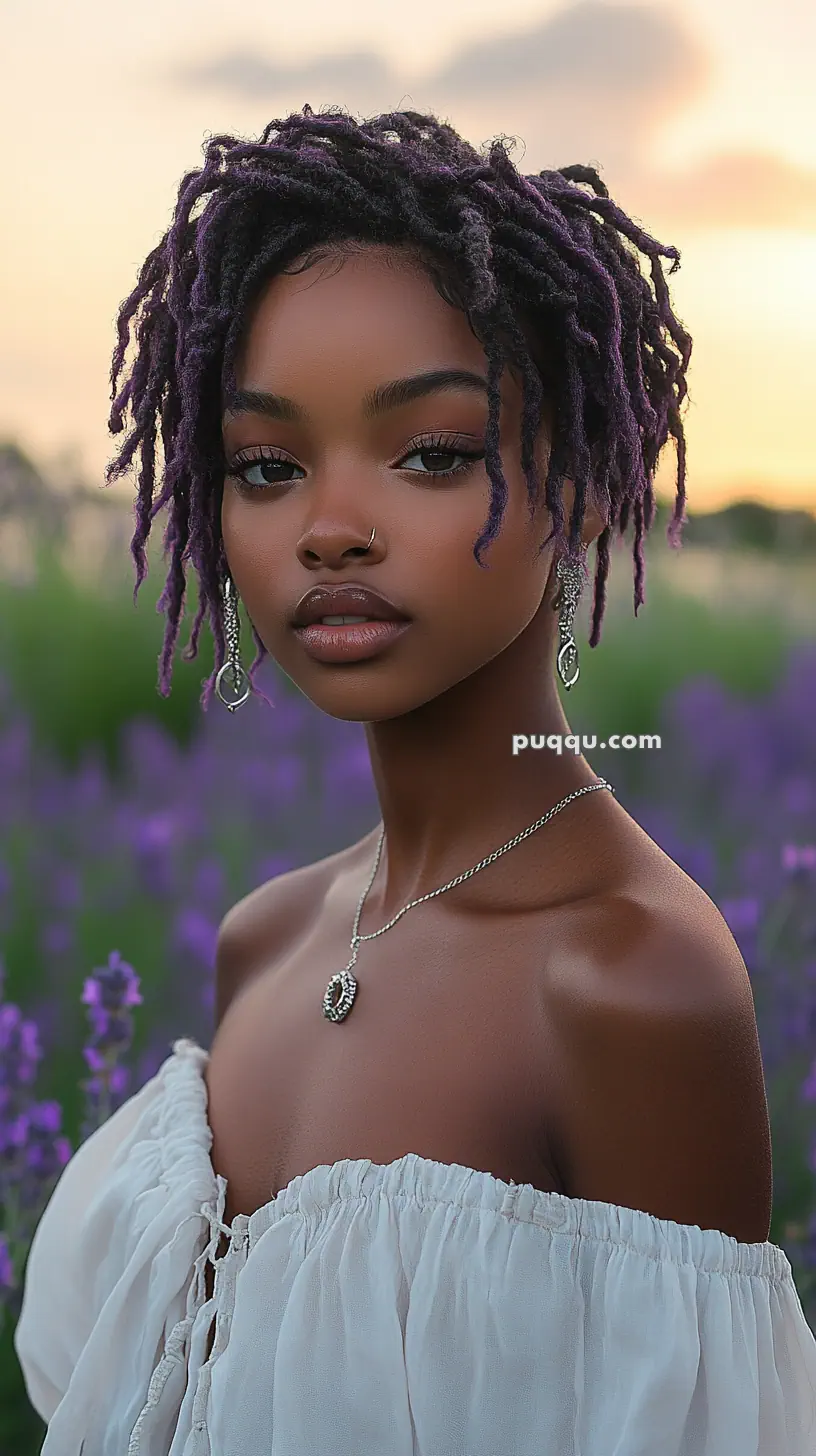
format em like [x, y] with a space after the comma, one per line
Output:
[233, 526]
[481, 610]
[254, 547]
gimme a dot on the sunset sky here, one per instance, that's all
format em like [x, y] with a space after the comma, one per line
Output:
[701, 117]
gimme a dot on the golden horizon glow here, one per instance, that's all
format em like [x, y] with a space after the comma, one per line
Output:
[101, 144]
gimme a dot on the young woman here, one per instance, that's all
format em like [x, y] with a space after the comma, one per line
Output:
[502, 1180]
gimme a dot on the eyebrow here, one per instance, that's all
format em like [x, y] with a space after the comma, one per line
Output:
[385, 397]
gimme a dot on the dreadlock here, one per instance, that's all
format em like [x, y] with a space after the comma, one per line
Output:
[547, 274]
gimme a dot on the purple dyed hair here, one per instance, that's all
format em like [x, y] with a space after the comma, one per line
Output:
[547, 274]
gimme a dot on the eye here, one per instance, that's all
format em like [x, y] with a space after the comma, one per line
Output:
[267, 462]
[444, 447]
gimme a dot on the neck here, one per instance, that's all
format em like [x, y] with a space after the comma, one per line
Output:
[451, 789]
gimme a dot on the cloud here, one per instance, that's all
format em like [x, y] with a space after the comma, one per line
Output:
[590, 46]
[620, 50]
[251, 77]
[733, 190]
[593, 83]
[592, 79]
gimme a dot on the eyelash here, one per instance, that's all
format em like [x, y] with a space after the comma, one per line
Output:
[430, 444]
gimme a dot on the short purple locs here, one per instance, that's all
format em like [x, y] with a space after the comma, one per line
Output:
[547, 274]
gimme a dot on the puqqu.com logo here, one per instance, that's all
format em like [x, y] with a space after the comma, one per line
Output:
[581, 742]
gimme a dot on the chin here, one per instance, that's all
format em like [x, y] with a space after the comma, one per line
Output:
[370, 702]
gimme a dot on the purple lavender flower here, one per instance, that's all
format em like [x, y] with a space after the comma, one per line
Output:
[209, 882]
[796, 857]
[108, 993]
[32, 1151]
[57, 937]
[741, 914]
[7, 1275]
[154, 848]
[731, 798]
[195, 934]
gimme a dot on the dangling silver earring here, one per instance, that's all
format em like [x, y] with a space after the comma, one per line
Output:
[569, 594]
[241, 687]
[240, 684]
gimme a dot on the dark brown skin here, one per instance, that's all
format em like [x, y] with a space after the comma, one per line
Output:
[577, 1015]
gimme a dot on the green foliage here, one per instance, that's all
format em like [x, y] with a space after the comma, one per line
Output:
[82, 663]
[21, 1430]
[675, 637]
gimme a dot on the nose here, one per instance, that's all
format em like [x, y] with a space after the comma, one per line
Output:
[330, 544]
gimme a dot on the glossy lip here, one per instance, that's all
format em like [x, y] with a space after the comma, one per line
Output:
[346, 600]
[353, 642]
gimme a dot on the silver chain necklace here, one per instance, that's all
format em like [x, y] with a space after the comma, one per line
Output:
[343, 985]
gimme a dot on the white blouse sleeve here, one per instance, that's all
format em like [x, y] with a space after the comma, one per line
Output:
[61, 1298]
[112, 1255]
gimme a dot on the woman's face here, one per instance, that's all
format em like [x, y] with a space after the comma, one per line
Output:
[324, 339]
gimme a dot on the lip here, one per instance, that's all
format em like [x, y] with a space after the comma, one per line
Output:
[351, 643]
[346, 600]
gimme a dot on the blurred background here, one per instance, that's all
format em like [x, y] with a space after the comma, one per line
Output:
[129, 825]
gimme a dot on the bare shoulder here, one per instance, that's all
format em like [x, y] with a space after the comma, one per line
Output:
[667, 1110]
[257, 929]
[657, 939]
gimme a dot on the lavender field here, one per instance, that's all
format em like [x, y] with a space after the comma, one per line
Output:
[113, 880]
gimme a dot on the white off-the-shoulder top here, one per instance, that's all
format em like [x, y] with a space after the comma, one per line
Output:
[411, 1309]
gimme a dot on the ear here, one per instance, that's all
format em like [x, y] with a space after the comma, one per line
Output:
[594, 519]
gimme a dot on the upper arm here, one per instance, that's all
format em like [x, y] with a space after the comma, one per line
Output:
[231, 959]
[667, 1109]
[256, 931]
